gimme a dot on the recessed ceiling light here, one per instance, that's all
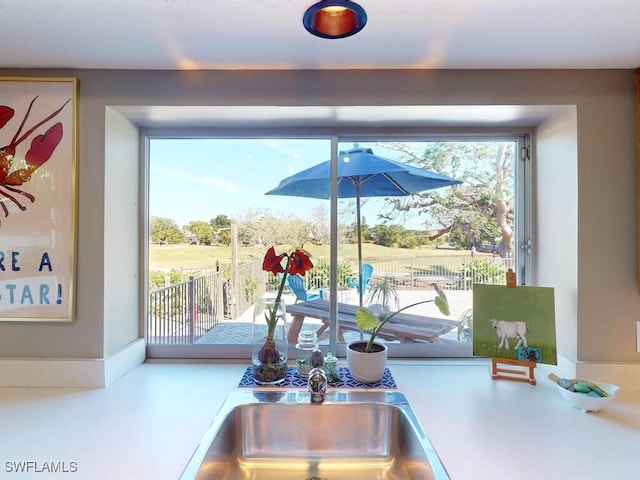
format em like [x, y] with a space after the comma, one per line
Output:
[334, 19]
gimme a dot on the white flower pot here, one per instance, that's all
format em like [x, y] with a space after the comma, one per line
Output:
[366, 367]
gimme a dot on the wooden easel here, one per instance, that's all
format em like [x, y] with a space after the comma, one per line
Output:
[508, 368]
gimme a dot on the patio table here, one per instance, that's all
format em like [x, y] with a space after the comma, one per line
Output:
[407, 327]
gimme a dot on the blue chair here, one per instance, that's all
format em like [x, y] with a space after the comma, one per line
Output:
[299, 289]
[367, 273]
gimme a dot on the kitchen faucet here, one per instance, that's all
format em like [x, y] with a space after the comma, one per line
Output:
[317, 378]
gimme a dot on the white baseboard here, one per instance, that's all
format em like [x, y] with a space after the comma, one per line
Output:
[124, 360]
[625, 375]
[71, 372]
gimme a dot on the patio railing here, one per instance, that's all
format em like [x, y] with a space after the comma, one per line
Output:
[182, 313]
[451, 273]
[413, 272]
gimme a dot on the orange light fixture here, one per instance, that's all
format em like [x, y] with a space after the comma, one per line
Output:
[334, 19]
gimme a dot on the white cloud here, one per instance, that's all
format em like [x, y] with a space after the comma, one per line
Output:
[209, 181]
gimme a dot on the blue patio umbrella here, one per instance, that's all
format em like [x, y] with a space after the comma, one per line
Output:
[362, 174]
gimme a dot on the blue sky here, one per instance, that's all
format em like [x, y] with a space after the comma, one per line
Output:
[197, 179]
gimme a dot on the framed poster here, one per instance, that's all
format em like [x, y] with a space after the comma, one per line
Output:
[38, 199]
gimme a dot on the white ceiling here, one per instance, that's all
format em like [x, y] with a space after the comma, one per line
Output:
[268, 34]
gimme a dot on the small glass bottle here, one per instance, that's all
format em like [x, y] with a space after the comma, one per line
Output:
[331, 369]
[307, 343]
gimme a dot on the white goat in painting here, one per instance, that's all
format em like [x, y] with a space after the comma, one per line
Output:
[506, 330]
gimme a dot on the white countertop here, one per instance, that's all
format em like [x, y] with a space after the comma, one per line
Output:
[147, 424]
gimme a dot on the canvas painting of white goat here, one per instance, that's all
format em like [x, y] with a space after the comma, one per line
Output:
[509, 322]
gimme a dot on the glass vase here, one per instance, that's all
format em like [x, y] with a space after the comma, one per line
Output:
[269, 354]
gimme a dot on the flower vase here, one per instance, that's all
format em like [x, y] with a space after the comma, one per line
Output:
[269, 355]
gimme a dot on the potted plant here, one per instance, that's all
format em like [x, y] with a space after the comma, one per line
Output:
[384, 293]
[269, 361]
[367, 359]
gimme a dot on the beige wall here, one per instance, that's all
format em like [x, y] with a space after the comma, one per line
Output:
[606, 301]
[121, 266]
[555, 208]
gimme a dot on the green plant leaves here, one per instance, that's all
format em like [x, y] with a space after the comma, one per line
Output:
[442, 305]
[441, 301]
[365, 319]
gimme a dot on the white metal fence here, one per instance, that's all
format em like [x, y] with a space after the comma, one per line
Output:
[183, 312]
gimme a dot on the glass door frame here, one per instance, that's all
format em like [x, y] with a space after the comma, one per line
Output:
[522, 223]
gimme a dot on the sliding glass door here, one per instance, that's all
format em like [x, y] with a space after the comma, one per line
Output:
[216, 205]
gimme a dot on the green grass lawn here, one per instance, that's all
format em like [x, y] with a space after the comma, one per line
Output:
[202, 256]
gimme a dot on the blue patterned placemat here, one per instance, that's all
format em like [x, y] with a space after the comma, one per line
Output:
[292, 380]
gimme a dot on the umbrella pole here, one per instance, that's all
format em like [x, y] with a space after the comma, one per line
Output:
[359, 241]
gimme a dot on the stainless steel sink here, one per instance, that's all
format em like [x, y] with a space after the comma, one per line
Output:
[280, 435]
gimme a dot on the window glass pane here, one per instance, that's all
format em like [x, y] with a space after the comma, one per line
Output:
[452, 236]
[211, 220]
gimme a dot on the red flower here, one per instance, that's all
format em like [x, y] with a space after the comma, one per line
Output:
[300, 263]
[272, 262]
[297, 262]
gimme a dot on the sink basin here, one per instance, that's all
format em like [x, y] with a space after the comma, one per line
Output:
[280, 435]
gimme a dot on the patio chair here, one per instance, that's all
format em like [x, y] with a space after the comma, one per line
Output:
[367, 273]
[297, 286]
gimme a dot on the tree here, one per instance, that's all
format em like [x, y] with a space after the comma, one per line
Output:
[221, 229]
[388, 235]
[261, 228]
[295, 231]
[480, 211]
[319, 225]
[165, 231]
[351, 232]
[201, 231]
[258, 227]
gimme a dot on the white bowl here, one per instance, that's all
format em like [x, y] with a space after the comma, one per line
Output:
[590, 404]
